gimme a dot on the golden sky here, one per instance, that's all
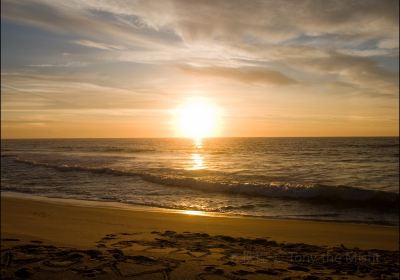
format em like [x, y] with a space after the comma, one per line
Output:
[86, 68]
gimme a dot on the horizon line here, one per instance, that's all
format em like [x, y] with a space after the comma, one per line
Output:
[76, 138]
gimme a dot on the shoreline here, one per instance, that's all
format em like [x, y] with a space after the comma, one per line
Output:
[59, 238]
[36, 212]
[127, 206]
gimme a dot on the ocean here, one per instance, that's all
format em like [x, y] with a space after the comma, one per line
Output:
[335, 179]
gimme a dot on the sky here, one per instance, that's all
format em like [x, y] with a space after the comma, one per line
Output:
[110, 68]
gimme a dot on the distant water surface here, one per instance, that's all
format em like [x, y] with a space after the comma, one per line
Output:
[343, 179]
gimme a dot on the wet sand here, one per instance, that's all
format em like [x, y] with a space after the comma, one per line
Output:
[77, 239]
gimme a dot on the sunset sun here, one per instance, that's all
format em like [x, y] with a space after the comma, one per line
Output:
[197, 119]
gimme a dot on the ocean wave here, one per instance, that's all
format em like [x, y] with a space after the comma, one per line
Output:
[7, 155]
[340, 195]
[374, 146]
[240, 207]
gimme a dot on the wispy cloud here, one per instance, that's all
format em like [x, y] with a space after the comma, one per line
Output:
[243, 74]
[238, 40]
[26, 91]
[97, 45]
[68, 64]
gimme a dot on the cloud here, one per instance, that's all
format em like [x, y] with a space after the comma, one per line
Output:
[33, 91]
[244, 74]
[389, 44]
[219, 21]
[248, 41]
[68, 64]
[242, 21]
[73, 18]
[370, 52]
[360, 72]
[96, 45]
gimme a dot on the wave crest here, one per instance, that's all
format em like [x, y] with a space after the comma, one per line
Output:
[340, 195]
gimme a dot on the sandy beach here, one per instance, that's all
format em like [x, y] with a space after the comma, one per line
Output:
[78, 239]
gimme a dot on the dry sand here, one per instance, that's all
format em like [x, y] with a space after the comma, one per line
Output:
[77, 239]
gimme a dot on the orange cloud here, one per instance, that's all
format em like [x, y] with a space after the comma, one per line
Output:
[244, 74]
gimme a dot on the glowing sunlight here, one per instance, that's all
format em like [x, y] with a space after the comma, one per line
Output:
[197, 119]
[194, 213]
[197, 162]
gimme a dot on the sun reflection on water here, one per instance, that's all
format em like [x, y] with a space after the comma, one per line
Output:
[198, 143]
[197, 158]
[197, 162]
[195, 213]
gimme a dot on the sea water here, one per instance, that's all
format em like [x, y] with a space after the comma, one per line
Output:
[341, 179]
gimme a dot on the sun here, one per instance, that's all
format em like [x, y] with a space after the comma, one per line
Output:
[197, 119]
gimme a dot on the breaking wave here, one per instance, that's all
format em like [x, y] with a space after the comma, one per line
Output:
[340, 195]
